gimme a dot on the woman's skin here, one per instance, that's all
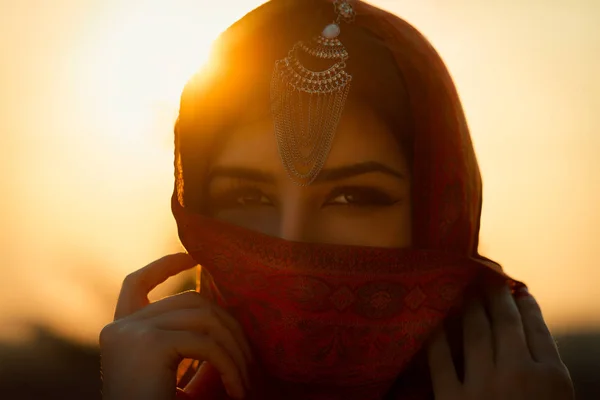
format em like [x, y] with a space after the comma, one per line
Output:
[361, 198]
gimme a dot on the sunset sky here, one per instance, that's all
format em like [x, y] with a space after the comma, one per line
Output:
[88, 97]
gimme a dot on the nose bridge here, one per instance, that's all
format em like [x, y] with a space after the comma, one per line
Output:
[295, 219]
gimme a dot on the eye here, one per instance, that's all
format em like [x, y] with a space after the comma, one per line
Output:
[360, 197]
[250, 197]
[240, 197]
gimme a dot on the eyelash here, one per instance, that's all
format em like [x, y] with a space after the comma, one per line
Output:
[230, 198]
[374, 197]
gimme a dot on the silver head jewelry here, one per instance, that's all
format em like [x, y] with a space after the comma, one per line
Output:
[307, 104]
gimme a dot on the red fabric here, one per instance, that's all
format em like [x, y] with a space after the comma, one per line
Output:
[344, 322]
[328, 321]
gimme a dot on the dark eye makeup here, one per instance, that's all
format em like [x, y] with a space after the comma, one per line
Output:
[248, 195]
[243, 196]
[360, 196]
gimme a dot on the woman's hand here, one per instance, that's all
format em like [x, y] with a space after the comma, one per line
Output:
[146, 342]
[509, 355]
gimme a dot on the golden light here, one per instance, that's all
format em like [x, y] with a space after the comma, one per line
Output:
[107, 157]
[92, 94]
[136, 64]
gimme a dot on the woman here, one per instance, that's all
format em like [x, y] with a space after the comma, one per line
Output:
[330, 191]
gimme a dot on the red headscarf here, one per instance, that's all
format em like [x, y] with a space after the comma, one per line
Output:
[343, 322]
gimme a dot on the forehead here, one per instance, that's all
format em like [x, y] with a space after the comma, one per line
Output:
[361, 137]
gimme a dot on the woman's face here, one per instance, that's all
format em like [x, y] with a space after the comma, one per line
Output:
[361, 197]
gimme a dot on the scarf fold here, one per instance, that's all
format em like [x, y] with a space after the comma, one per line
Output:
[330, 322]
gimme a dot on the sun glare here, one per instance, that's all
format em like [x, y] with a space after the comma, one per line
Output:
[127, 72]
[143, 58]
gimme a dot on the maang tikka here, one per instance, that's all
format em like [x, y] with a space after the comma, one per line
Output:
[307, 105]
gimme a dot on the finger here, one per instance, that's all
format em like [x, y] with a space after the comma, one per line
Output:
[203, 322]
[205, 384]
[235, 328]
[441, 366]
[137, 285]
[478, 343]
[539, 339]
[202, 347]
[509, 337]
[193, 299]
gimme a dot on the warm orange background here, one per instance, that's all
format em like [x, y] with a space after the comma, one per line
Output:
[88, 96]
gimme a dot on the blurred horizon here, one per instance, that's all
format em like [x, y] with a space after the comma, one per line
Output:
[89, 94]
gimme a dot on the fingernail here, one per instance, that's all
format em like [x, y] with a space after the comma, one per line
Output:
[521, 292]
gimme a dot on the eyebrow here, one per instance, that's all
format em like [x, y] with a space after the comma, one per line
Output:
[326, 175]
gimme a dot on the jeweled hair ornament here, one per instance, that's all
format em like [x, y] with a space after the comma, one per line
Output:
[307, 104]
